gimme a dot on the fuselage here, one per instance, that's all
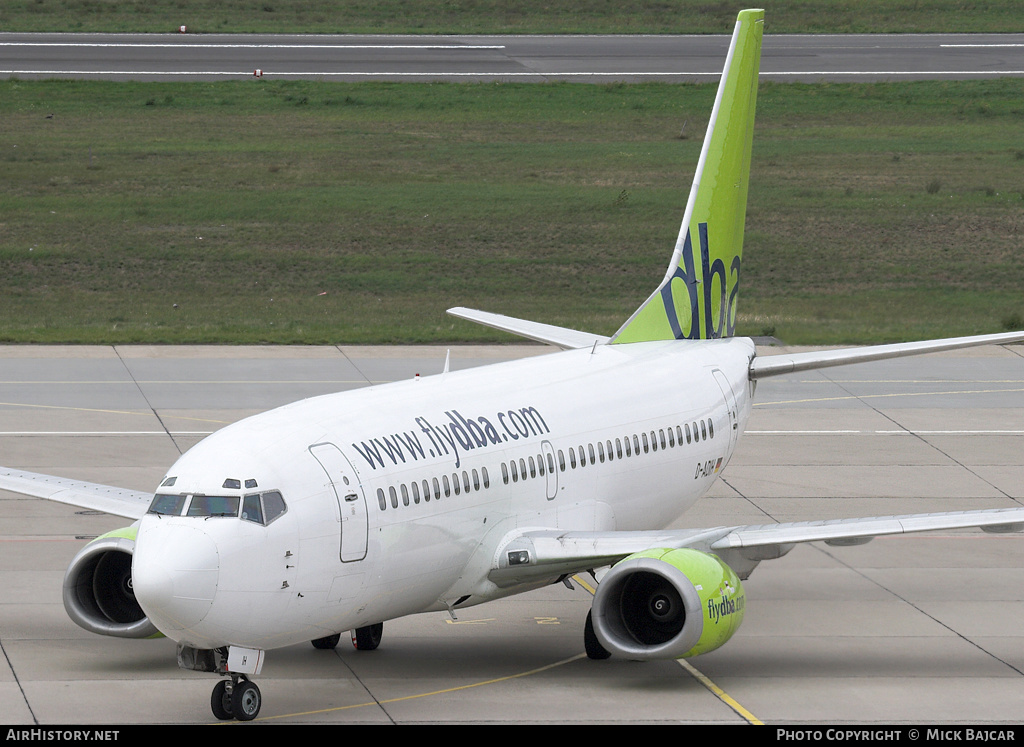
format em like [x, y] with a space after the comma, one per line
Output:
[394, 499]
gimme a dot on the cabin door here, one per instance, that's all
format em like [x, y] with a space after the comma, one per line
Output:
[351, 502]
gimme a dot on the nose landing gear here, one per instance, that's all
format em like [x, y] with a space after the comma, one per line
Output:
[238, 698]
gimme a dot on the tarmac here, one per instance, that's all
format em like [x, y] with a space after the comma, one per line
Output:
[924, 629]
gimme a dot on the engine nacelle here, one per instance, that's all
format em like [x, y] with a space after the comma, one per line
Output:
[667, 604]
[98, 592]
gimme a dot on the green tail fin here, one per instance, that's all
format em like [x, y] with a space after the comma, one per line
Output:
[697, 298]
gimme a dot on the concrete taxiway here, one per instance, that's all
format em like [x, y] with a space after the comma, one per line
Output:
[921, 629]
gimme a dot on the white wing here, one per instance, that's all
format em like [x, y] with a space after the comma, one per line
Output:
[540, 554]
[131, 504]
[774, 365]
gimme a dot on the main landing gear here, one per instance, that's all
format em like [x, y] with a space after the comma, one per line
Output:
[368, 638]
[363, 639]
[591, 645]
[238, 698]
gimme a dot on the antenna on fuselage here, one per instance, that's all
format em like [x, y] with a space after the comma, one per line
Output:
[447, 360]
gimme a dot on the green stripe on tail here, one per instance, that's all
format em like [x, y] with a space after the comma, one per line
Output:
[697, 298]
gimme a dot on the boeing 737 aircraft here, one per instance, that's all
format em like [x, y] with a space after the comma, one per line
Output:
[340, 512]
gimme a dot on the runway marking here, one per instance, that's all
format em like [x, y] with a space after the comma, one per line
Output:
[720, 693]
[532, 74]
[953, 46]
[885, 433]
[446, 691]
[893, 394]
[147, 45]
[105, 433]
[107, 412]
[191, 382]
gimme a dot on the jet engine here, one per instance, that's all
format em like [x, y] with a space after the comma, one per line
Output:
[98, 592]
[667, 604]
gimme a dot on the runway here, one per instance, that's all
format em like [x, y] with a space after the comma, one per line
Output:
[923, 629]
[594, 59]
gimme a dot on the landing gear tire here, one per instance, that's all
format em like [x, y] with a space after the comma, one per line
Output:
[327, 642]
[368, 638]
[593, 646]
[246, 701]
[220, 701]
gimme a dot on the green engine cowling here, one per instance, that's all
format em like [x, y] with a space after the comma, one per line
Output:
[667, 604]
[98, 593]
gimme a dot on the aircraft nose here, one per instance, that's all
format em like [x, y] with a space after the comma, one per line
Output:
[174, 573]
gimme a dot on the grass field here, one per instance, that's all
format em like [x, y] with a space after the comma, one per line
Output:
[289, 212]
[508, 16]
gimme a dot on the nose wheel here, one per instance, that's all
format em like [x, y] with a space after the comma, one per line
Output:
[237, 698]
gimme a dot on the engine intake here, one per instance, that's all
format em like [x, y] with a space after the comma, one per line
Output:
[98, 592]
[667, 604]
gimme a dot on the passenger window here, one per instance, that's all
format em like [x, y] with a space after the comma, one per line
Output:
[447, 486]
[381, 499]
[687, 433]
[405, 495]
[671, 438]
[561, 460]
[654, 441]
[455, 482]
[476, 480]
[504, 473]
[551, 463]
[647, 446]
[711, 428]
[629, 449]
[415, 492]
[600, 452]
[465, 481]
[533, 468]
[515, 472]
[572, 458]
[487, 478]
[703, 431]
[618, 447]
[394, 496]
[426, 490]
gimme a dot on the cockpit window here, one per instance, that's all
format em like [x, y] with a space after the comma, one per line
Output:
[273, 505]
[265, 511]
[214, 505]
[259, 508]
[168, 505]
[251, 509]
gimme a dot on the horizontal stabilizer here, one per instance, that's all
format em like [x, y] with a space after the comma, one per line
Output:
[774, 365]
[130, 504]
[566, 339]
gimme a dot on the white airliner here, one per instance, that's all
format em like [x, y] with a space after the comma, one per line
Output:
[340, 512]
